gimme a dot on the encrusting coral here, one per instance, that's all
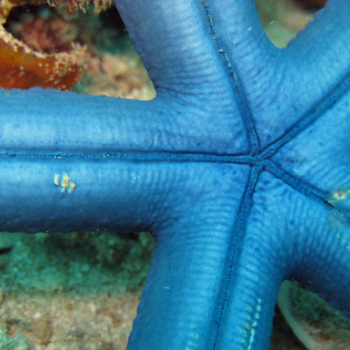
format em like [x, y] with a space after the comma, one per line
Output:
[23, 66]
[71, 7]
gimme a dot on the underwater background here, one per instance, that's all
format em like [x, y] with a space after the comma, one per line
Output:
[81, 290]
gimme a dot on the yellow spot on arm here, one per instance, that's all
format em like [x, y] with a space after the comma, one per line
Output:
[57, 179]
[65, 182]
[339, 195]
[71, 187]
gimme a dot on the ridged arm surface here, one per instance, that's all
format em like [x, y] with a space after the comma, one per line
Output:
[240, 167]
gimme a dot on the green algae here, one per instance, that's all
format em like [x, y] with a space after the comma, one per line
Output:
[84, 263]
[8, 343]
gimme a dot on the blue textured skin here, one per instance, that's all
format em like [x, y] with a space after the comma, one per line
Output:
[240, 167]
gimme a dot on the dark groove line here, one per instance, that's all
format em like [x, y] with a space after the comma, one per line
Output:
[320, 108]
[165, 157]
[237, 236]
[138, 157]
[293, 182]
[238, 91]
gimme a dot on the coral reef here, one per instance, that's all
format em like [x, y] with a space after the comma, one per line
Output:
[24, 65]
[313, 320]
[53, 263]
[71, 7]
[116, 76]
[56, 48]
[61, 291]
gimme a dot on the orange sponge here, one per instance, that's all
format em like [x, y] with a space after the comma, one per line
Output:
[22, 67]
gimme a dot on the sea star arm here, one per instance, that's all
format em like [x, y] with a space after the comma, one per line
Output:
[295, 237]
[92, 149]
[65, 165]
[181, 302]
[176, 42]
[322, 256]
[321, 55]
[297, 77]
[316, 162]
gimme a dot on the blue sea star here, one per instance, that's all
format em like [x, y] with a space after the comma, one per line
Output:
[240, 167]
